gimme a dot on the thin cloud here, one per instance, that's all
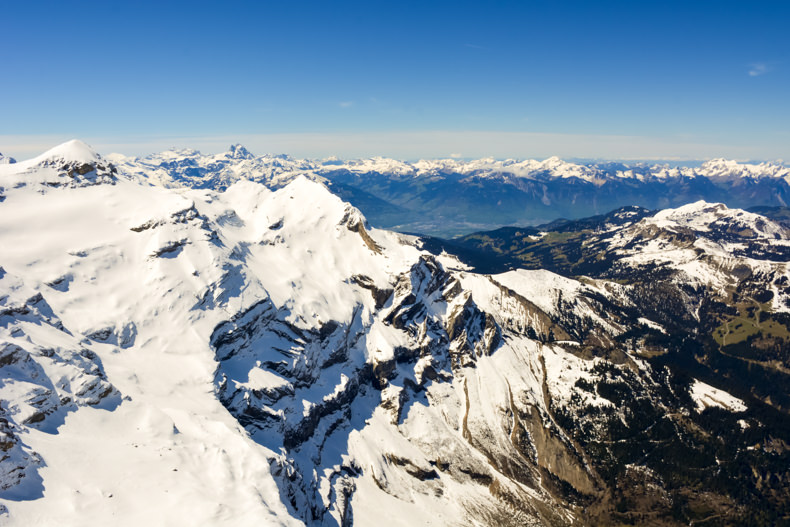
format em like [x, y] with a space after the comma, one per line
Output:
[757, 69]
[346, 104]
[475, 46]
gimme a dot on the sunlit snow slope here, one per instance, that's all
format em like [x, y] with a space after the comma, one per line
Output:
[173, 356]
[142, 325]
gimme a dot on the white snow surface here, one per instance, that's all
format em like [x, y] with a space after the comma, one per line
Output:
[170, 444]
[72, 151]
[707, 396]
[546, 290]
[702, 216]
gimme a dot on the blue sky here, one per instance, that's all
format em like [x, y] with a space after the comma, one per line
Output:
[404, 79]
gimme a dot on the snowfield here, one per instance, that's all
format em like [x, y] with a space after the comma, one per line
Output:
[707, 396]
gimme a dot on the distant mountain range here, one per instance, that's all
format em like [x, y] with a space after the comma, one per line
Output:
[451, 197]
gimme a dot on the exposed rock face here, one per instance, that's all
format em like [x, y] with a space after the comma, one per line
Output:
[436, 333]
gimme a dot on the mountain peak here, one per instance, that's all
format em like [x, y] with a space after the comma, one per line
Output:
[553, 160]
[74, 151]
[691, 210]
[237, 151]
[5, 160]
[721, 167]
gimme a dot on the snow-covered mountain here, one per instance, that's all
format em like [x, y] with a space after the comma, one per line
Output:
[190, 168]
[244, 356]
[177, 163]
[179, 316]
[448, 197]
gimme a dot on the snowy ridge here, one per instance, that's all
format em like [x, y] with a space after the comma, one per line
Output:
[74, 151]
[190, 167]
[709, 245]
[707, 217]
[172, 292]
[258, 355]
[727, 168]
[72, 164]
[449, 197]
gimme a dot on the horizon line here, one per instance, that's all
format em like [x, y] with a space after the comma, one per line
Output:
[411, 146]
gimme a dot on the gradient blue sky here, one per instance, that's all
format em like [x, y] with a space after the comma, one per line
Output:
[405, 79]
